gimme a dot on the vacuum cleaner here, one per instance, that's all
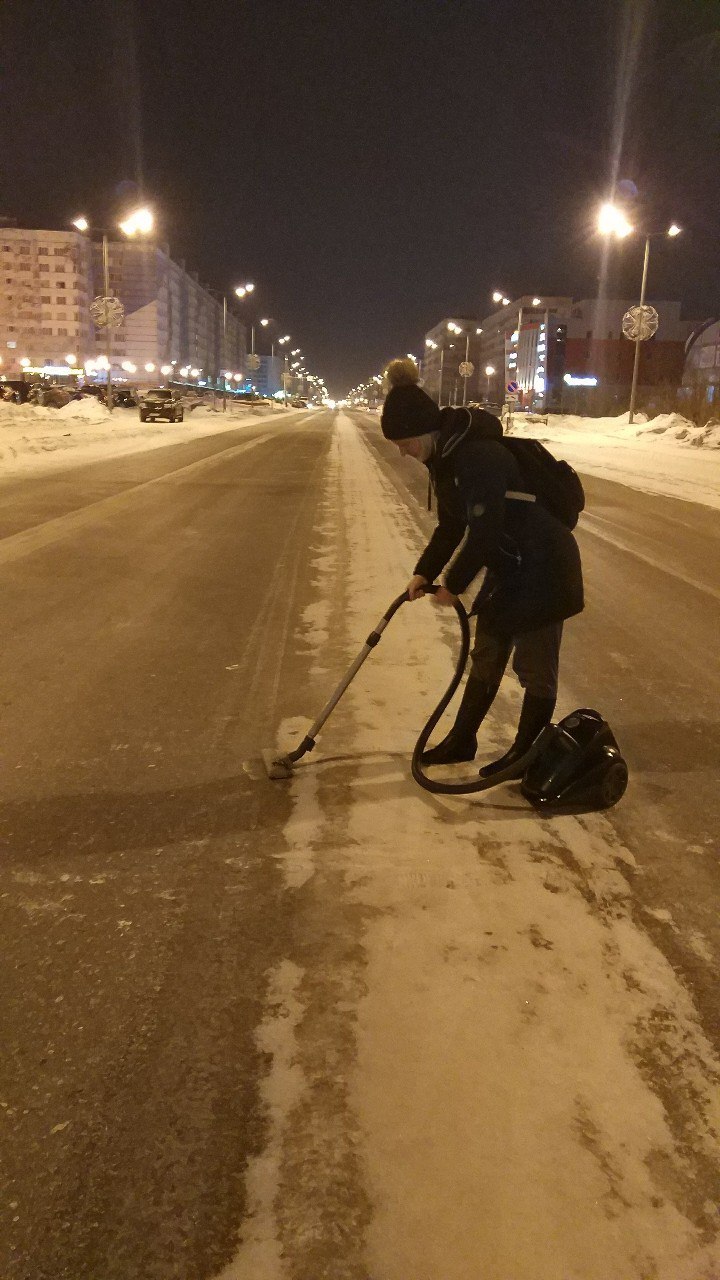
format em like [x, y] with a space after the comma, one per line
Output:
[574, 764]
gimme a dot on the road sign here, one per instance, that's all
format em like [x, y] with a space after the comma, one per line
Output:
[640, 323]
[466, 369]
[253, 363]
[512, 397]
[107, 313]
[513, 387]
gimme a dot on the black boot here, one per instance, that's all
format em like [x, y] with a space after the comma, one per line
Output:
[461, 742]
[535, 714]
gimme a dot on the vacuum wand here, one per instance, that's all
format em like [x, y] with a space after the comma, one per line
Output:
[279, 767]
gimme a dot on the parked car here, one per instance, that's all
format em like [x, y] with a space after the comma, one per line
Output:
[161, 402]
[125, 398]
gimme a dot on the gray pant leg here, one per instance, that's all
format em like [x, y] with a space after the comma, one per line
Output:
[536, 660]
[489, 656]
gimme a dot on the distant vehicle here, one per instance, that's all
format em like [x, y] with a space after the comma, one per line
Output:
[161, 402]
[125, 398]
[297, 403]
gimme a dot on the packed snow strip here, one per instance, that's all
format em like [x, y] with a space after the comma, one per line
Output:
[529, 1085]
[33, 438]
[668, 455]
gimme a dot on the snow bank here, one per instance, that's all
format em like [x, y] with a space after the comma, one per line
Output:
[668, 455]
[34, 438]
[89, 409]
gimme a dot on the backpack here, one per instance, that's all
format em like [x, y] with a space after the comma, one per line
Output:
[556, 485]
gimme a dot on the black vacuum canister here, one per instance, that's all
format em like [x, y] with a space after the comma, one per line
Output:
[579, 764]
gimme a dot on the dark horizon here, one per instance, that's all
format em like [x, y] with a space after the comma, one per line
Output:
[375, 171]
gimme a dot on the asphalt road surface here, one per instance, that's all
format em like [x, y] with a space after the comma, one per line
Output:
[149, 925]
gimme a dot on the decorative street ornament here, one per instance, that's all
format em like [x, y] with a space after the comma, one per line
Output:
[253, 362]
[107, 313]
[467, 369]
[640, 323]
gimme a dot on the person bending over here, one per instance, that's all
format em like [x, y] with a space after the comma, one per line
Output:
[533, 577]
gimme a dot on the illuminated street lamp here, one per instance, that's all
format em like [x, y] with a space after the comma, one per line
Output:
[139, 222]
[489, 371]
[612, 221]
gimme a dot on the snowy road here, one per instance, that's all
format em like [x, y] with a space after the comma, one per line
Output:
[339, 1028]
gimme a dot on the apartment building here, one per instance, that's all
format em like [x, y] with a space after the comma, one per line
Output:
[46, 288]
[49, 280]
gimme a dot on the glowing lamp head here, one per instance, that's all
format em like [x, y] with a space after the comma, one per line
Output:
[674, 229]
[71, 359]
[612, 222]
[81, 224]
[497, 296]
[489, 370]
[139, 222]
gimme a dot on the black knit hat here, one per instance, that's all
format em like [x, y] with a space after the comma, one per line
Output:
[408, 411]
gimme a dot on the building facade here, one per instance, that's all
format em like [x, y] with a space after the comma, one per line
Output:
[49, 280]
[46, 287]
[447, 345]
[572, 354]
[702, 363]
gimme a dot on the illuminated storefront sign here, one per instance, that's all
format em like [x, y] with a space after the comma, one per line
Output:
[574, 380]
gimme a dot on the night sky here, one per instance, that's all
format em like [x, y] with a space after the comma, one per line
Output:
[374, 166]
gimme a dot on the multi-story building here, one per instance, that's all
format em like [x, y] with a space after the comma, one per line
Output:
[598, 354]
[554, 346]
[523, 342]
[49, 279]
[268, 379]
[447, 345]
[45, 291]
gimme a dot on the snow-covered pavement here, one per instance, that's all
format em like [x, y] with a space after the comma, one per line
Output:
[509, 1066]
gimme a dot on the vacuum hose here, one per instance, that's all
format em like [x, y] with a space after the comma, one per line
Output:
[458, 788]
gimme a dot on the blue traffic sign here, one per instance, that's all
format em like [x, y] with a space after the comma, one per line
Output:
[513, 386]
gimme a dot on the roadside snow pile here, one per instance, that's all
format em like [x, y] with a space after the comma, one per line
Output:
[85, 431]
[668, 455]
[89, 409]
[672, 426]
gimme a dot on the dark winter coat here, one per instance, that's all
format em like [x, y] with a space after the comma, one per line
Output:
[533, 567]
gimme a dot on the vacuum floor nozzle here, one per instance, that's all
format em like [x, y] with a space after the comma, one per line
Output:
[277, 767]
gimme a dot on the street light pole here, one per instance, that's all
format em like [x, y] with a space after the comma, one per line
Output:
[442, 361]
[106, 287]
[224, 354]
[467, 357]
[636, 362]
